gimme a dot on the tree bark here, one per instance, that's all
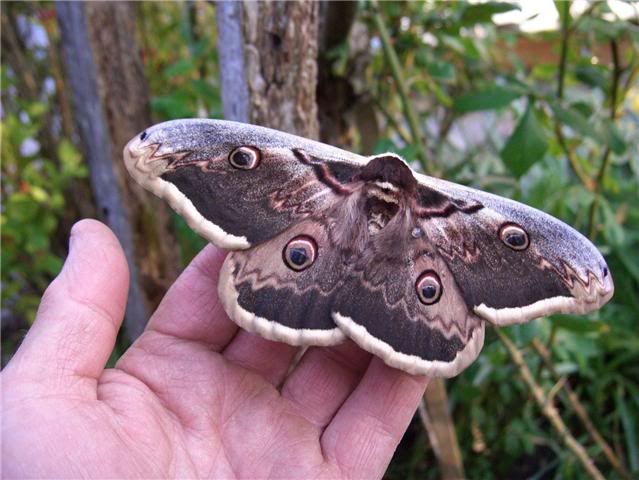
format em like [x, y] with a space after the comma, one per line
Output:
[111, 105]
[235, 95]
[281, 60]
[347, 113]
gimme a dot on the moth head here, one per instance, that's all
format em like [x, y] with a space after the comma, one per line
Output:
[388, 185]
[389, 171]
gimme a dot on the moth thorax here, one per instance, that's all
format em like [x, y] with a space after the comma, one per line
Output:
[382, 204]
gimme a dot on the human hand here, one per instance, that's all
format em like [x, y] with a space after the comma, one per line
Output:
[194, 396]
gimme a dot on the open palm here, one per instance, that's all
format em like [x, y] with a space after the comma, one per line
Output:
[194, 396]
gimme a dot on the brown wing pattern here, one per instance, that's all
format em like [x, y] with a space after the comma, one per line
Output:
[280, 191]
[262, 294]
[378, 307]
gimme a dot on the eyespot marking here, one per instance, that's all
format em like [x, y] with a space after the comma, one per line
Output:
[429, 287]
[245, 158]
[300, 253]
[514, 236]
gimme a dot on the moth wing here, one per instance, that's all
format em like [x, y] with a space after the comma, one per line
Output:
[378, 307]
[188, 163]
[559, 271]
[263, 295]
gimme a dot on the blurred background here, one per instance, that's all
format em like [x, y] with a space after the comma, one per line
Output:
[534, 100]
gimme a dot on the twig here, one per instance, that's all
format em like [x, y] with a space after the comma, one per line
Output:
[565, 25]
[411, 115]
[605, 161]
[581, 412]
[548, 408]
[403, 134]
[556, 388]
[441, 430]
[549, 344]
[570, 154]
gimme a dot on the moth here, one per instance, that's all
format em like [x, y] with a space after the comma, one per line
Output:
[328, 245]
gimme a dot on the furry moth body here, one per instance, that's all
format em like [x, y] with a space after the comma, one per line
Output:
[327, 244]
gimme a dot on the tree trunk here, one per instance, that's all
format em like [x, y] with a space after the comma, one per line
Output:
[111, 105]
[278, 42]
[347, 112]
[235, 95]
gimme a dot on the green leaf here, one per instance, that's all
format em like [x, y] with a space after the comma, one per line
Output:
[36, 110]
[440, 70]
[179, 68]
[614, 139]
[205, 90]
[629, 423]
[630, 261]
[526, 145]
[453, 43]
[490, 98]
[71, 159]
[384, 145]
[39, 194]
[613, 230]
[603, 28]
[578, 324]
[173, 106]
[594, 76]
[51, 264]
[483, 12]
[574, 119]
[585, 108]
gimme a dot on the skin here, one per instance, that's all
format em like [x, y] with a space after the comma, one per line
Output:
[194, 396]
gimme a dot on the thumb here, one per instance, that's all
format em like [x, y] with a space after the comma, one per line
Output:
[80, 313]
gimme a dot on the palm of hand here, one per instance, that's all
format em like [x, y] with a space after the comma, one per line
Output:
[193, 397]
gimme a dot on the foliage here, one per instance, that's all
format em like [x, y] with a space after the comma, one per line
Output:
[180, 54]
[558, 130]
[32, 202]
[36, 177]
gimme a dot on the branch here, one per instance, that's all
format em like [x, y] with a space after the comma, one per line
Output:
[548, 409]
[605, 161]
[235, 90]
[398, 76]
[580, 411]
[82, 74]
[403, 134]
[570, 154]
[440, 428]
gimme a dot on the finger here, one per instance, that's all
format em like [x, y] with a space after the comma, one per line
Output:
[269, 359]
[191, 309]
[362, 437]
[324, 378]
[80, 312]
